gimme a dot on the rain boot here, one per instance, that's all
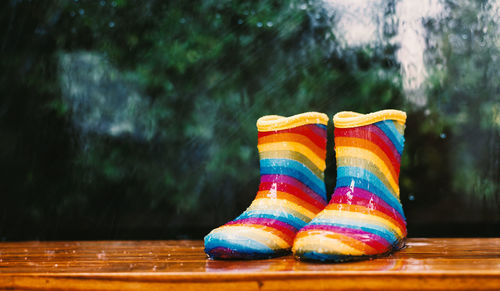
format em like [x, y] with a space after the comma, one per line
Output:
[292, 154]
[364, 217]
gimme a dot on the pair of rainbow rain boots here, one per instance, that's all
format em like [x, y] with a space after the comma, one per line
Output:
[364, 217]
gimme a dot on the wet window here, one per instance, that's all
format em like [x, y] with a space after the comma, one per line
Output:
[137, 119]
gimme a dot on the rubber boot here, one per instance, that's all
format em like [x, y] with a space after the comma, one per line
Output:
[364, 217]
[292, 154]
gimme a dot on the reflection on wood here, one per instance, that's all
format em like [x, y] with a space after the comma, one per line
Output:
[181, 265]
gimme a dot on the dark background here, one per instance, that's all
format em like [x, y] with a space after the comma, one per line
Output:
[134, 119]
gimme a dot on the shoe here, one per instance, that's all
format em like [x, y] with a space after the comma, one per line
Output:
[292, 154]
[364, 217]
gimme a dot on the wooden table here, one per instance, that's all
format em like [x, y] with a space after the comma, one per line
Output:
[456, 264]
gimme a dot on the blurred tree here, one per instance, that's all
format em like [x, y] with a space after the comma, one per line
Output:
[463, 91]
[131, 118]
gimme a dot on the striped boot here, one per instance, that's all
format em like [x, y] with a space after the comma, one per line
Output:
[292, 154]
[364, 217]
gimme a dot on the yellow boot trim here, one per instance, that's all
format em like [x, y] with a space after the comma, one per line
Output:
[347, 119]
[276, 122]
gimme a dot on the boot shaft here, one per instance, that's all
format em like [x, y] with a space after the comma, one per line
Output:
[369, 155]
[292, 154]
[368, 150]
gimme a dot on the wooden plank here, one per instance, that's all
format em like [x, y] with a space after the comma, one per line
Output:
[425, 264]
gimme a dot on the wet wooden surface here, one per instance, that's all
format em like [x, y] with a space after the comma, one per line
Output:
[453, 264]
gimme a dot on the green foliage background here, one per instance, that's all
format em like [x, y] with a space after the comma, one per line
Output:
[204, 72]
